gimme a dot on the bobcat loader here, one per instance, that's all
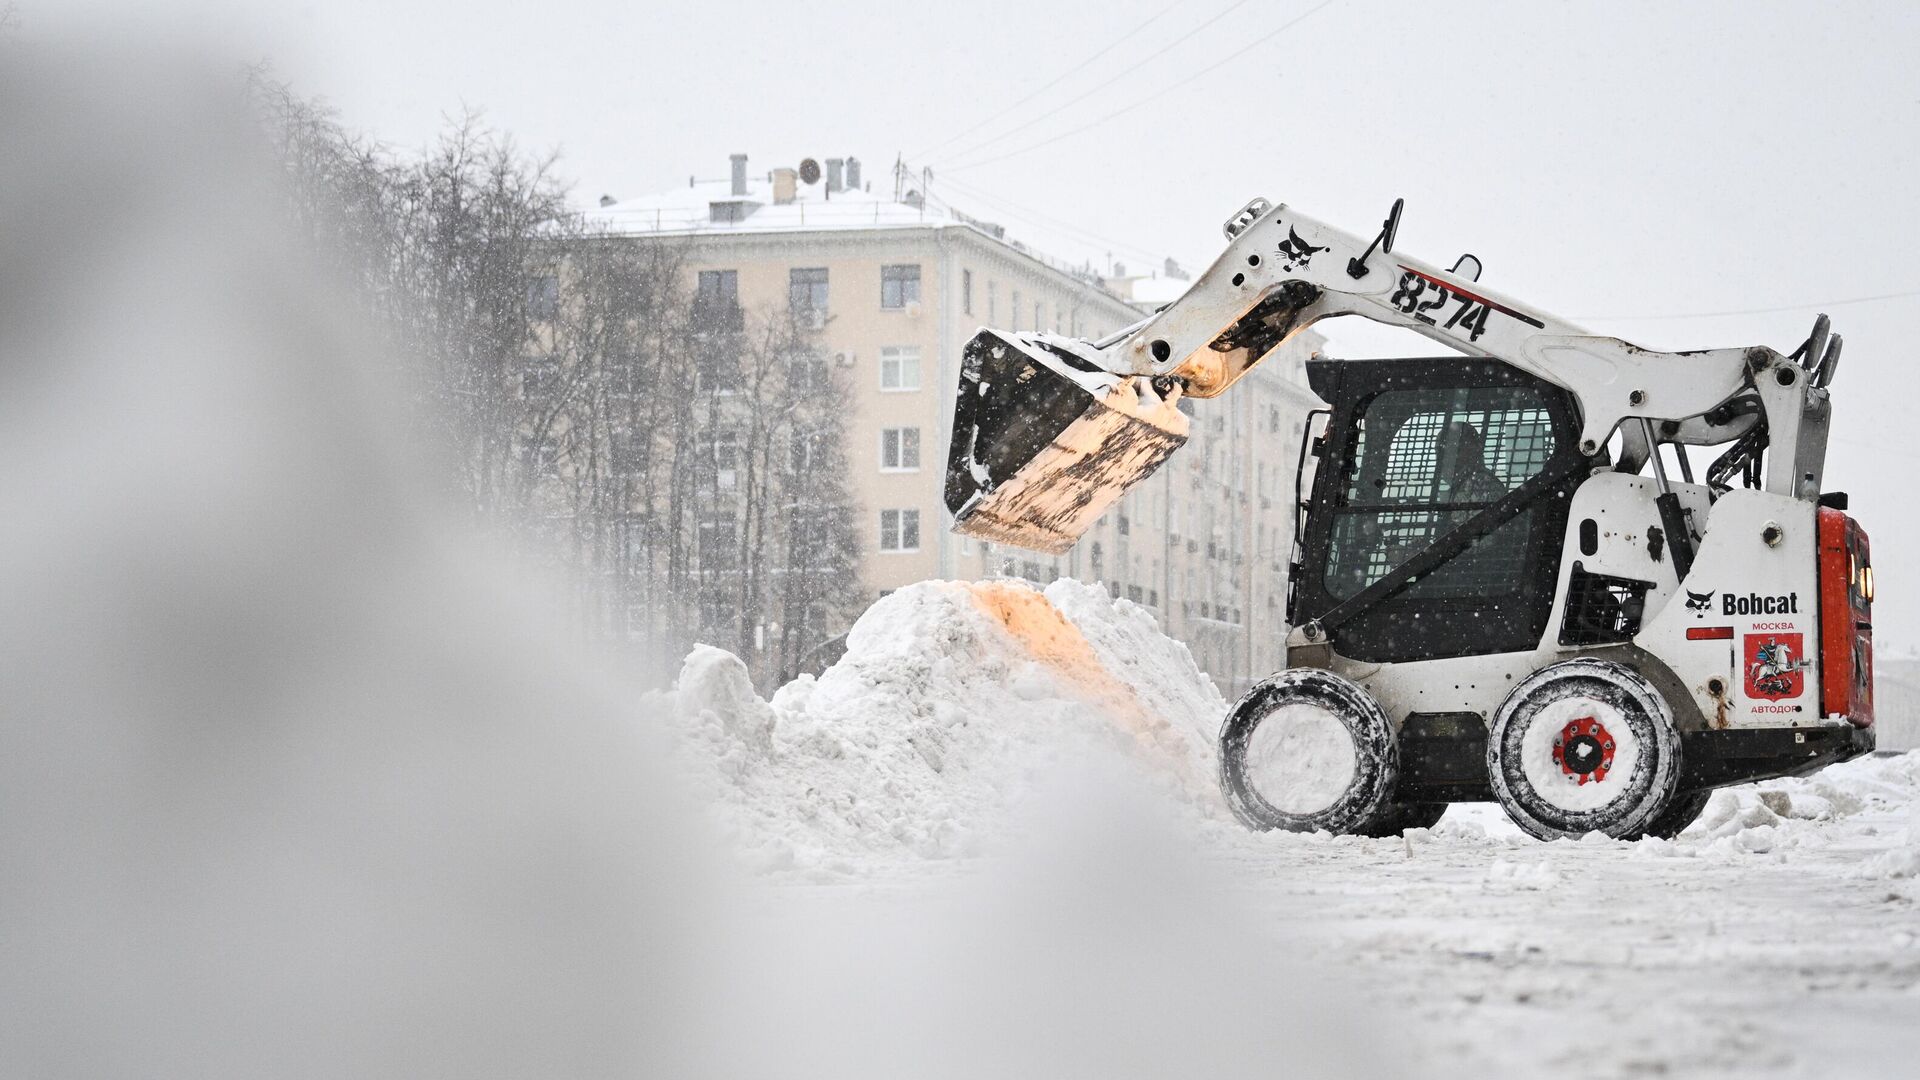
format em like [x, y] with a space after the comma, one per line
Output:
[1499, 589]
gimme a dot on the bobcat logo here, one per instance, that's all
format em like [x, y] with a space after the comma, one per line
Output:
[1297, 253]
[1699, 601]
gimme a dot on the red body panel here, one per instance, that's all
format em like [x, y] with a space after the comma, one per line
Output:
[1846, 619]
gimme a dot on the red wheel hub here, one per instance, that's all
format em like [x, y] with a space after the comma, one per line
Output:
[1584, 750]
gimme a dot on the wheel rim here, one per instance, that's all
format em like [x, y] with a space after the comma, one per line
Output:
[1584, 750]
[1579, 753]
[1300, 759]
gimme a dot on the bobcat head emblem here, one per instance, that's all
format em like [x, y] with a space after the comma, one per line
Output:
[1296, 253]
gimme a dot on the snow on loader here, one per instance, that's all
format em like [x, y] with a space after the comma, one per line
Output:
[1498, 589]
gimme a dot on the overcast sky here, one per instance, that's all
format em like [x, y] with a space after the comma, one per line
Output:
[1616, 163]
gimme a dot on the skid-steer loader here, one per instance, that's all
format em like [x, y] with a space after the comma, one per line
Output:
[1498, 589]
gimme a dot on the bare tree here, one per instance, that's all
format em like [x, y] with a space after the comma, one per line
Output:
[818, 556]
[681, 458]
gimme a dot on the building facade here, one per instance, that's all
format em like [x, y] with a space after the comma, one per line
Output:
[895, 283]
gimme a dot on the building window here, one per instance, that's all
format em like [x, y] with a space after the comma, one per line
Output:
[628, 452]
[807, 449]
[543, 296]
[993, 302]
[899, 285]
[718, 550]
[900, 367]
[966, 292]
[1015, 316]
[726, 460]
[1039, 316]
[899, 530]
[717, 374]
[626, 376]
[540, 382]
[807, 288]
[807, 370]
[900, 449]
[1097, 562]
[718, 287]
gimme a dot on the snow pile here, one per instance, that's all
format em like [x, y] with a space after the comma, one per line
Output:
[953, 700]
[1799, 812]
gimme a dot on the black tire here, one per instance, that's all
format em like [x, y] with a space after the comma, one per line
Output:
[1361, 805]
[1682, 811]
[1576, 723]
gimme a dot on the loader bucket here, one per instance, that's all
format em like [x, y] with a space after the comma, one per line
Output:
[1045, 440]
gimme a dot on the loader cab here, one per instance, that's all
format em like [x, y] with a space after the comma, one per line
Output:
[1415, 450]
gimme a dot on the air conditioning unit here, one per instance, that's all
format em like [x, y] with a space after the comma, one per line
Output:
[913, 309]
[844, 358]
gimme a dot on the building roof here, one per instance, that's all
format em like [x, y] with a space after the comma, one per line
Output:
[1149, 293]
[689, 211]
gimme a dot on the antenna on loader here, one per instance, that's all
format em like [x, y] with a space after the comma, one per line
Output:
[1357, 268]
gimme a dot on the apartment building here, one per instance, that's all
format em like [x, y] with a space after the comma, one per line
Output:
[897, 281]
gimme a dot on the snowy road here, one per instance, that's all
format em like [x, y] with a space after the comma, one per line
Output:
[1603, 959]
[1472, 951]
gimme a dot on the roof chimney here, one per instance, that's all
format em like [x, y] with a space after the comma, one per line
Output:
[853, 173]
[833, 173]
[739, 173]
[783, 186]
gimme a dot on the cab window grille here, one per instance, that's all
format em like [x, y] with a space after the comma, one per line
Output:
[1602, 609]
[1426, 460]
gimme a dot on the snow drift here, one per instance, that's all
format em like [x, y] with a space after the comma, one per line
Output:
[954, 700]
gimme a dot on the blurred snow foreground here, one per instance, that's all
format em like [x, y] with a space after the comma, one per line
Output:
[296, 782]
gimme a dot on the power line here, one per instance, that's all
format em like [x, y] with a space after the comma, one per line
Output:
[1044, 220]
[1757, 311]
[1151, 98]
[1055, 81]
[1123, 73]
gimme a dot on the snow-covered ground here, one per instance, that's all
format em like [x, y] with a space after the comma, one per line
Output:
[1776, 937]
[1753, 944]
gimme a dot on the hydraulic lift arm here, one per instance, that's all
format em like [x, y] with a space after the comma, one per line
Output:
[1281, 272]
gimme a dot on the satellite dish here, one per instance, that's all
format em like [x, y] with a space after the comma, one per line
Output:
[810, 170]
